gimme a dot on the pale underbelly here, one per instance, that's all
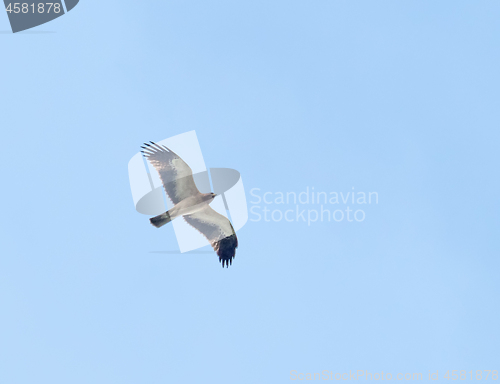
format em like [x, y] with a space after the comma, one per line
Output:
[188, 210]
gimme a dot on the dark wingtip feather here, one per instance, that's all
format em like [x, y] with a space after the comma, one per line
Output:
[156, 146]
[226, 250]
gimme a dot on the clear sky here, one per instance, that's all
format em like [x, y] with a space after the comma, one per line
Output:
[395, 97]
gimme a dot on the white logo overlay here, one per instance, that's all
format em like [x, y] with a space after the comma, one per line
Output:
[150, 199]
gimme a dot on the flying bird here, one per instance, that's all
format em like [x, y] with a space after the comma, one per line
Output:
[177, 179]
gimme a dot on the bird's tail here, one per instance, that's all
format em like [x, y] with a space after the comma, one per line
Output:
[161, 220]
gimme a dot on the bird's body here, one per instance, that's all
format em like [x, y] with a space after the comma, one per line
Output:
[188, 206]
[190, 203]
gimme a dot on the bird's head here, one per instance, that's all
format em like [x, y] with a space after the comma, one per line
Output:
[210, 196]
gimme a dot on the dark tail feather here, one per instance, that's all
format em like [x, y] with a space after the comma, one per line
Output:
[160, 220]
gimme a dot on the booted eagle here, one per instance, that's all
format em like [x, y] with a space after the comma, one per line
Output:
[189, 202]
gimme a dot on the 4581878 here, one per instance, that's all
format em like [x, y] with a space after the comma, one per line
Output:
[33, 8]
[484, 374]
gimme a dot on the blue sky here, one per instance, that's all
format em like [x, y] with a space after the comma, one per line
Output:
[397, 97]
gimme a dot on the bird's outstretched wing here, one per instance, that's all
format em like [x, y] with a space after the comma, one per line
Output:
[175, 174]
[218, 230]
